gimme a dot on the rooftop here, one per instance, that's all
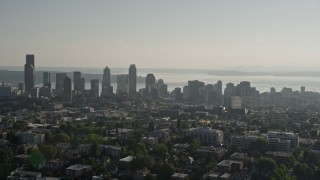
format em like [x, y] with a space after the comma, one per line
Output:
[127, 159]
[78, 167]
[179, 175]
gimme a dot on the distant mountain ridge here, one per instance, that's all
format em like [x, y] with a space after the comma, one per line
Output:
[281, 74]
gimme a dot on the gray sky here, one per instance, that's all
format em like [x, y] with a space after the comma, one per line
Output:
[166, 33]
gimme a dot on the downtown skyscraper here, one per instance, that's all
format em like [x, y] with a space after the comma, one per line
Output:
[29, 73]
[46, 79]
[77, 81]
[150, 83]
[106, 82]
[67, 89]
[95, 88]
[132, 81]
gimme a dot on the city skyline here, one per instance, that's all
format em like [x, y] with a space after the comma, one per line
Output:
[160, 90]
[208, 35]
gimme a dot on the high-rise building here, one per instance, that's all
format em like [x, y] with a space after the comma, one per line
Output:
[106, 76]
[122, 84]
[29, 73]
[45, 91]
[150, 81]
[162, 89]
[272, 90]
[95, 87]
[5, 91]
[218, 87]
[21, 87]
[67, 89]
[83, 84]
[77, 81]
[302, 90]
[47, 79]
[132, 81]
[194, 91]
[177, 94]
[60, 81]
[34, 93]
[106, 82]
[185, 92]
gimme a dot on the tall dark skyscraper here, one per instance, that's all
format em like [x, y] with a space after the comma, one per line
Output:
[218, 87]
[29, 73]
[77, 81]
[302, 89]
[47, 79]
[150, 81]
[82, 84]
[132, 81]
[122, 84]
[60, 81]
[95, 87]
[194, 90]
[67, 89]
[106, 82]
[106, 76]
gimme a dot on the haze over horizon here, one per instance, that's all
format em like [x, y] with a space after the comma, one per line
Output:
[180, 34]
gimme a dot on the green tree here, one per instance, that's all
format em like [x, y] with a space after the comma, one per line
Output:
[61, 138]
[281, 173]
[196, 144]
[140, 149]
[260, 145]
[166, 171]
[6, 166]
[49, 151]
[303, 172]
[93, 138]
[13, 138]
[95, 150]
[179, 124]
[48, 136]
[151, 126]
[149, 177]
[20, 125]
[141, 162]
[266, 163]
[310, 158]
[296, 153]
[37, 160]
[161, 149]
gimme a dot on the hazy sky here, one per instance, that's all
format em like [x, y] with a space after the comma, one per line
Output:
[165, 33]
